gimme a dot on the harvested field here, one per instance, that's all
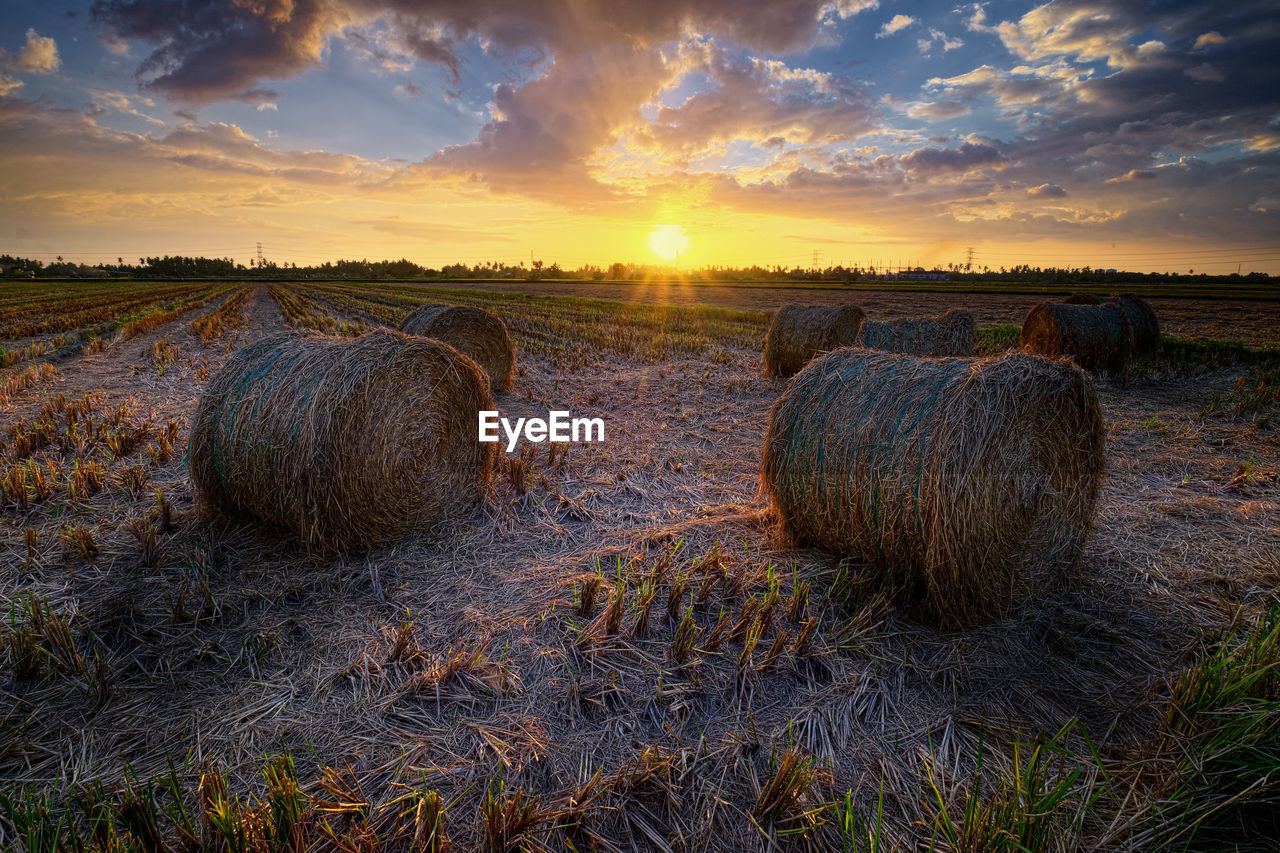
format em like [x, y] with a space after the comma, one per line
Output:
[1191, 316]
[616, 650]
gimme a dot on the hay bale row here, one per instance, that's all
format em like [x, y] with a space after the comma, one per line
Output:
[1096, 337]
[348, 443]
[971, 482]
[474, 332]
[951, 334]
[798, 333]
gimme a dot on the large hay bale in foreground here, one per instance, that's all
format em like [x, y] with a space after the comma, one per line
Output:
[474, 332]
[348, 443]
[951, 334]
[1097, 337]
[800, 332]
[970, 481]
[1146, 326]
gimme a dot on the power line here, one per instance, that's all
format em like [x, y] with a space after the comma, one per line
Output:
[1181, 253]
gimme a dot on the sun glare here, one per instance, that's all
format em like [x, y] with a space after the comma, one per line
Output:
[668, 241]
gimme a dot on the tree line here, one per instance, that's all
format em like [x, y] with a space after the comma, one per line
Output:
[184, 267]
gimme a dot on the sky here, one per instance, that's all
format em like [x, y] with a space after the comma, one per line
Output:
[1104, 133]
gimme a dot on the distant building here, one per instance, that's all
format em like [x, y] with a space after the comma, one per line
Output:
[918, 274]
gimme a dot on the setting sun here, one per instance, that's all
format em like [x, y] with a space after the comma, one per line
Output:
[668, 241]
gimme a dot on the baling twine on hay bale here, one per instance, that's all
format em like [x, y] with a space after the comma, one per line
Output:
[474, 332]
[970, 482]
[1096, 337]
[951, 334]
[347, 442]
[798, 333]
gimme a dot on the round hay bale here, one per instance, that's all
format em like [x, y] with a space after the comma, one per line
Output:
[1082, 299]
[474, 332]
[1097, 337]
[800, 332]
[969, 482]
[348, 443]
[951, 334]
[1146, 326]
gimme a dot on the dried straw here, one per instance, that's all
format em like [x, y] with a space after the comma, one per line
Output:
[951, 334]
[474, 332]
[1097, 337]
[1146, 326]
[971, 481]
[348, 443]
[801, 332]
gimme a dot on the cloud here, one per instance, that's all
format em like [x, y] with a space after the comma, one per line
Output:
[266, 105]
[895, 24]
[1047, 191]
[1133, 175]
[1091, 30]
[755, 99]
[938, 110]
[942, 39]
[8, 84]
[977, 20]
[434, 230]
[112, 42]
[1205, 73]
[38, 56]
[110, 99]
[214, 49]
[256, 96]
[969, 155]
[219, 50]
[1209, 39]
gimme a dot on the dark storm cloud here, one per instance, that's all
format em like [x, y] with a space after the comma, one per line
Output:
[208, 50]
[969, 155]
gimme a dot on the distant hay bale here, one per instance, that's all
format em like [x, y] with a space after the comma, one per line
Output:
[474, 332]
[1146, 326]
[951, 334]
[971, 482]
[1097, 337]
[800, 332]
[348, 443]
[1082, 299]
